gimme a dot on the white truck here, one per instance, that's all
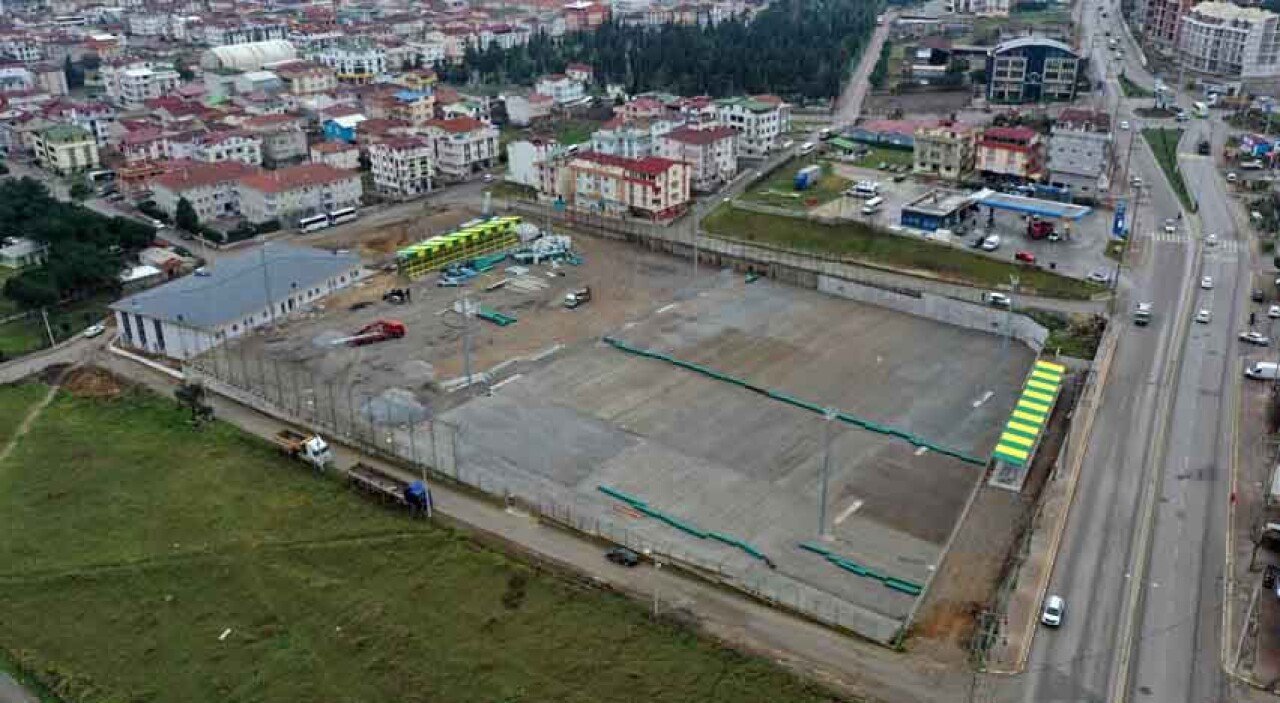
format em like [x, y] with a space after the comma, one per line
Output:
[310, 448]
[1262, 370]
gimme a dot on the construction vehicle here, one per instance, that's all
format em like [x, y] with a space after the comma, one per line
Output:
[310, 448]
[388, 486]
[397, 296]
[577, 297]
[372, 333]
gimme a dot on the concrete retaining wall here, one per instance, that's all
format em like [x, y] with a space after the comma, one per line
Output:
[940, 309]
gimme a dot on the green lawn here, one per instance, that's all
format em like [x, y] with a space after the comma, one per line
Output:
[856, 241]
[779, 187]
[1164, 143]
[1115, 249]
[891, 157]
[1072, 335]
[166, 563]
[14, 403]
[1133, 90]
[575, 131]
[7, 306]
[27, 335]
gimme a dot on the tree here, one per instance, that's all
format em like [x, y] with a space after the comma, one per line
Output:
[80, 190]
[185, 216]
[184, 71]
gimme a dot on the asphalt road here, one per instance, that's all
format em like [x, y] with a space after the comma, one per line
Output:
[1141, 561]
[849, 104]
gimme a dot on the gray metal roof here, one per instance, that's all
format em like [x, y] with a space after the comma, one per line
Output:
[236, 286]
[1033, 40]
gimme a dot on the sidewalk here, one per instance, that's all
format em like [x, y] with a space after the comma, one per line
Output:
[856, 667]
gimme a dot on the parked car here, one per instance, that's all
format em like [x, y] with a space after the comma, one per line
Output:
[1232, 177]
[1136, 181]
[991, 243]
[998, 300]
[1256, 338]
[1273, 312]
[622, 556]
[1054, 610]
[1211, 240]
[1099, 277]
[1124, 124]
[94, 330]
[1025, 257]
[1170, 226]
[1203, 317]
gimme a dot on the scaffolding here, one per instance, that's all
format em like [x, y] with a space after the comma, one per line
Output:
[474, 240]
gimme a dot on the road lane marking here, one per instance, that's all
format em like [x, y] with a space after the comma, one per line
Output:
[985, 397]
[853, 508]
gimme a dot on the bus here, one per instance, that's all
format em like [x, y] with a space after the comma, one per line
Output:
[1199, 109]
[872, 206]
[311, 224]
[345, 214]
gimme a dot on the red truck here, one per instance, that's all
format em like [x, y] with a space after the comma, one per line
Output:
[374, 332]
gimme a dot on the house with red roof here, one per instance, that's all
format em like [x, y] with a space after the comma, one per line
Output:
[651, 187]
[289, 194]
[463, 146]
[211, 188]
[711, 153]
[1011, 153]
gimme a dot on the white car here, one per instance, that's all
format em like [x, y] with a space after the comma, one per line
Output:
[1232, 177]
[1136, 181]
[1203, 317]
[1054, 610]
[1257, 338]
[1206, 282]
[1211, 240]
[991, 243]
[998, 300]
[1124, 124]
[94, 330]
[1099, 277]
[1273, 312]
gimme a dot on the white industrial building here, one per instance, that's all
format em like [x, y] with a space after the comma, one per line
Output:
[247, 57]
[192, 315]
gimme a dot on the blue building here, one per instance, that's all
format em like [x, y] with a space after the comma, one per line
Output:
[937, 209]
[1032, 69]
[342, 129]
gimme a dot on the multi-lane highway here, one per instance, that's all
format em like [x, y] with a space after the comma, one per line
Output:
[1142, 558]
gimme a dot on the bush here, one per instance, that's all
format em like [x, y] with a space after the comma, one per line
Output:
[269, 226]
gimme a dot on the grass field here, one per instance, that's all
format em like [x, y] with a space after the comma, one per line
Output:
[14, 403]
[172, 564]
[574, 131]
[1164, 144]
[1133, 90]
[857, 242]
[892, 157]
[27, 335]
[779, 188]
[7, 306]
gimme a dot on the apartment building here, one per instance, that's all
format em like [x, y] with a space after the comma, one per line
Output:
[340, 155]
[1032, 69]
[945, 151]
[1227, 41]
[634, 139]
[354, 63]
[561, 88]
[133, 83]
[215, 147]
[230, 33]
[652, 187]
[1160, 21]
[303, 78]
[760, 121]
[710, 152]
[211, 188]
[402, 166]
[527, 158]
[982, 8]
[1010, 154]
[65, 149]
[1080, 151]
[283, 139]
[289, 194]
[463, 146]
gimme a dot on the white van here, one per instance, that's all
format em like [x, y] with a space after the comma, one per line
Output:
[991, 243]
[864, 189]
[872, 206]
[1263, 370]
[806, 148]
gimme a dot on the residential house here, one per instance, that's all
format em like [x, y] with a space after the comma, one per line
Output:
[710, 152]
[946, 151]
[463, 146]
[303, 78]
[524, 110]
[132, 83]
[580, 72]
[562, 89]
[1080, 151]
[1010, 154]
[354, 63]
[229, 146]
[66, 149]
[19, 252]
[526, 158]
[291, 193]
[634, 139]
[652, 187]
[760, 120]
[343, 127]
[1032, 69]
[211, 188]
[340, 155]
[194, 314]
[402, 166]
[283, 140]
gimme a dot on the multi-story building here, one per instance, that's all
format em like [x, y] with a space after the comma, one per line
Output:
[561, 88]
[402, 166]
[133, 83]
[66, 149]
[1010, 154]
[526, 159]
[1227, 41]
[215, 147]
[340, 155]
[1032, 69]
[149, 24]
[1160, 21]
[463, 146]
[302, 78]
[20, 47]
[760, 121]
[1080, 151]
[283, 140]
[211, 188]
[634, 139]
[230, 33]
[413, 106]
[651, 187]
[945, 151]
[288, 194]
[50, 77]
[710, 152]
[524, 110]
[353, 63]
[985, 8]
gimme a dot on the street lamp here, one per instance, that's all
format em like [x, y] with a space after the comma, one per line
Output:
[829, 415]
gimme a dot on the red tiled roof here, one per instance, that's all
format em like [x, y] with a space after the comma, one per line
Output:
[651, 165]
[185, 175]
[333, 147]
[398, 143]
[458, 125]
[1018, 134]
[689, 135]
[579, 67]
[295, 177]
[768, 99]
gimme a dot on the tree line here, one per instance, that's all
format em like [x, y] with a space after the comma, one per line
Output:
[87, 251]
[798, 49]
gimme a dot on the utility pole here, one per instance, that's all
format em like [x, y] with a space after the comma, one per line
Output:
[266, 282]
[48, 330]
[829, 415]
[466, 338]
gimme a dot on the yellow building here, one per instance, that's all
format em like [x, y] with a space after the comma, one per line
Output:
[66, 149]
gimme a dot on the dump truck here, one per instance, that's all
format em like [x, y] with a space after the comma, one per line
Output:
[372, 333]
[310, 448]
[577, 297]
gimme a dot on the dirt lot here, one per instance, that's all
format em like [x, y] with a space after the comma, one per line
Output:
[379, 236]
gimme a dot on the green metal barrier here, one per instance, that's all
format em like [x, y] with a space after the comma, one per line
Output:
[679, 524]
[854, 567]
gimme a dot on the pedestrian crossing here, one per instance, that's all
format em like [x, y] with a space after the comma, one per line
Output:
[1226, 246]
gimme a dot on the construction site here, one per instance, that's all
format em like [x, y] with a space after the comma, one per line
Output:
[812, 450]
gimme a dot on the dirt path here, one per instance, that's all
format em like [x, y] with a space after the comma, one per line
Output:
[30, 419]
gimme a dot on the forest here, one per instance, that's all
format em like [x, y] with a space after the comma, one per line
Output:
[800, 50]
[86, 250]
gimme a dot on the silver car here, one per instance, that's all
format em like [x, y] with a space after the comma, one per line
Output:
[1054, 610]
